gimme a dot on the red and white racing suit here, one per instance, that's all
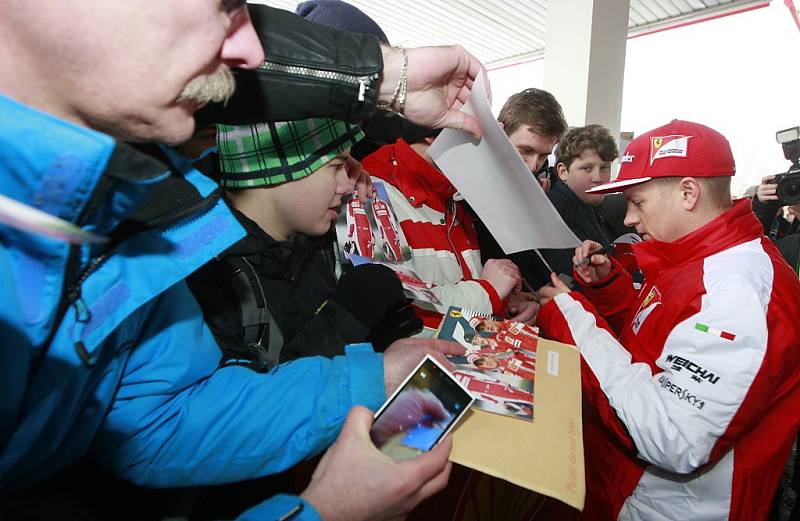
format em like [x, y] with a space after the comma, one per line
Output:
[692, 386]
[439, 231]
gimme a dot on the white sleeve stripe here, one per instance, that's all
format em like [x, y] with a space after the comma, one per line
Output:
[629, 388]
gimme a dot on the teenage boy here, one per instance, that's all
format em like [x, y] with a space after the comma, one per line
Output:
[583, 161]
[273, 296]
[692, 385]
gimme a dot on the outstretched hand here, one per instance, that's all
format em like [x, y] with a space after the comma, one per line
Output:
[503, 275]
[523, 307]
[550, 291]
[439, 83]
[403, 356]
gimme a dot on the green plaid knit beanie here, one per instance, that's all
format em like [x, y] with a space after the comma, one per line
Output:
[267, 154]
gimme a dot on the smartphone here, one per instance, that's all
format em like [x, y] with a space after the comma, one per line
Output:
[422, 411]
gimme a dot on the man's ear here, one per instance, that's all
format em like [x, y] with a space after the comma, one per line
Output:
[690, 192]
[561, 169]
[501, 125]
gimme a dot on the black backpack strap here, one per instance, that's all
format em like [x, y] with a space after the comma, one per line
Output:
[254, 316]
[257, 324]
[274, 343]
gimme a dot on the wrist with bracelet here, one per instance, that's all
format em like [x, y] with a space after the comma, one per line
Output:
[398, 100]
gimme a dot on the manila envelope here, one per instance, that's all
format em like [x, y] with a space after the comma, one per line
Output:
[545, 455]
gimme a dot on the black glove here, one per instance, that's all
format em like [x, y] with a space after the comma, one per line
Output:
[370, 292]
[402, 323]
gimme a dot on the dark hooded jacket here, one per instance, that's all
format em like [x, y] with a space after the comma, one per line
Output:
[296, 276]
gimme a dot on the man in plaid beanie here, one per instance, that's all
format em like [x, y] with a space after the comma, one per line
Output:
[273, 296]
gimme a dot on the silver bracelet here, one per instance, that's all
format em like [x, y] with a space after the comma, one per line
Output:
[401, 90]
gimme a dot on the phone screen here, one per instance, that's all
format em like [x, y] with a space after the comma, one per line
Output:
[421, 412]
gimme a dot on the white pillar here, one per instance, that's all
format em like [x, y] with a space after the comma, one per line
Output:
[584, 62]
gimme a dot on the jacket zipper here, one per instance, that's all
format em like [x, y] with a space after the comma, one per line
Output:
[74, 297]
[72, 267]
[82, 313]
[451, 209]
[363, 82]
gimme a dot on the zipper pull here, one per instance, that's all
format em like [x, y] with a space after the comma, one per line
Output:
[362, 88]
[82, 313]
[82, 316]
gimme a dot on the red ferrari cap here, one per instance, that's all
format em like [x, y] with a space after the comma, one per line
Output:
[678, 149]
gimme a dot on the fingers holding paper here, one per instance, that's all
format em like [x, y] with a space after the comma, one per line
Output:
[440, 80]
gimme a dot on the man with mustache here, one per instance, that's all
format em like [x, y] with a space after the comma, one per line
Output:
[103, 348]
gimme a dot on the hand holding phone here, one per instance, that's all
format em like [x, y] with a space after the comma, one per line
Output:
[354, 481]
[425, 407]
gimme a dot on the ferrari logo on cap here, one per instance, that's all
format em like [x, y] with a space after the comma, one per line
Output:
[668, 146]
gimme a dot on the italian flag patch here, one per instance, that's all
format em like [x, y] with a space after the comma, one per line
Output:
[716, 332]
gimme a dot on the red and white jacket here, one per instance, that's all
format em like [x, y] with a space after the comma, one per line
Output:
[440, 233]
[692, 387]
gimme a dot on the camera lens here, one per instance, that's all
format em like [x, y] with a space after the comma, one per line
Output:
[789, 189]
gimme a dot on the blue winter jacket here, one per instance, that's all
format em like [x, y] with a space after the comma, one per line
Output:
[130, 373]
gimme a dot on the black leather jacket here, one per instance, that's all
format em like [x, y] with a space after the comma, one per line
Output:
[309, 71]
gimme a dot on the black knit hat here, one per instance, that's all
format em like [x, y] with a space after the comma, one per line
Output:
[340, 15]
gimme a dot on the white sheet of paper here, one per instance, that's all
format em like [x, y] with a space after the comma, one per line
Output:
[491, 176]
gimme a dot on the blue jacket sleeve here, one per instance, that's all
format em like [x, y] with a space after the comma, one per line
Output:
[281, 507]
[178, 420]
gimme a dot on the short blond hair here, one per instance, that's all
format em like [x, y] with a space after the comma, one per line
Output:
[717, 189]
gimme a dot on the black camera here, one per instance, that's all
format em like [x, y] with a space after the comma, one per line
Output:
[788, 190]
